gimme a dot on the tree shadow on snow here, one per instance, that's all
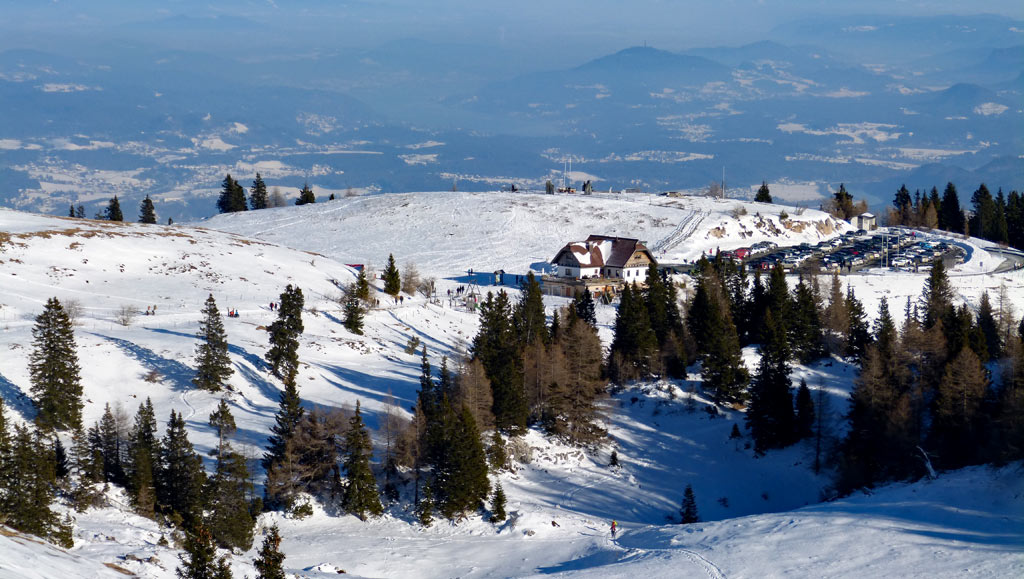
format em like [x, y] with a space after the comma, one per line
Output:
[16, 400]
[174, 372]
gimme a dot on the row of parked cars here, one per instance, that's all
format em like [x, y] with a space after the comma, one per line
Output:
[851, 250]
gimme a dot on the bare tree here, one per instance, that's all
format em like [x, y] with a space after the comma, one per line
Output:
[276, 198]
[73, 308]
[410, 278]
[126, 314]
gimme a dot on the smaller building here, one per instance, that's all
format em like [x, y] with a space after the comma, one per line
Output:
[601, 264]
[865, 221]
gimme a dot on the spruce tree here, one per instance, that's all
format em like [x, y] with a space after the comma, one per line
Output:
[270, 564]
[770, 416]
[199, 561]
[688, 513]
[114, 210]
[718, 346]
[634, 347]
[226, 201]
[258, 194]
[283, 354]
[763, 195]
[31, 489]
[353, 321]
[937, 296]
[958, 431]
[143, 451]
[425, 506]
[223, 422]
[288, 416]
[361, 495]
[362, 286]
[989, 329]
[84, 494]
[462, 483]
[497, 348]
[147, 213]
[306, 196]
[805, 328]
[951, 216]
[180, 477]
[54, 371]
[858, 335]
[584, 306]
[529, 319]
[112, 448]
[213, 365]
[392, 278]
[230, 520]
[498, 504]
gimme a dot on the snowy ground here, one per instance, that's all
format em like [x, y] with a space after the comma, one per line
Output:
[663, 440]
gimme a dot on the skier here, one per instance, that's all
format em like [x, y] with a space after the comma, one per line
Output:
[615, 527]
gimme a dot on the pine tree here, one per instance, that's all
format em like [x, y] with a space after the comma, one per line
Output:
[885, 331]
[572, 405]
[718, 345]
[957, 431]
[989, 329]
[30, 488]
[805, 328]
[361, 495]
[147, 213]
[425, 506]
[498, 504]
[951, 217]
[362, 286]
[288, 416]
[901, 203]
[770, 416]
[392, 278]
[353, 321]
[114, 210]
[199, 561]
[461, 479]
[223, 422]
[837, 319]
[858, 335]
[213, 365]
[497, 348]
[804, 411]
[763, 195]
[143, 452]
[270, 564]
[528, 317]
[283, 354]
[983, 221]
[258, 194]
[84, 494]
[230, 520]
[112, 448]
[688, 513]
[232, 196]
[306, 195]
[54, 370]
[937, 296]
[634, 346]
[1015, 219]
[584, 306]
[180, 477]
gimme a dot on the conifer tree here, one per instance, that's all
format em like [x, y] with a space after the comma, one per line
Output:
[180, 477]
[688, 513]
[112, 448]
[147, 213]
[498, 504]
[353, 321]
[270, 564]
[230, 520]
[258, 194]
[858, 335]
[283, 354]
[114, 210]
[529, 319]
[837, 319]
[584, 306]
[289, 414]
[572, 410]
[362, 286]
[54, 371]
[770, 416]
[804, 411]
[61, 465]
[223, 422]
[718, 345]
[805, 326]
[763, 195]
[425, 506]
[199, 561]
[634, 348]
[84, 495]
[461, 479]
[392, 278]
[143, 450]
[306, 195]
[951, 216]
[957, 431]
[228, 200]
[213, 365]
[983, 221]
[361, 495]
[30, 489]
[885, 331]
[497, 348]
[988, 328]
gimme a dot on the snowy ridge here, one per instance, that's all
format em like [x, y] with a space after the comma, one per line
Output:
[765, 520]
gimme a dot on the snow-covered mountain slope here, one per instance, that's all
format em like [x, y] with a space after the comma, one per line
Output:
[446, 233]
[664, 440]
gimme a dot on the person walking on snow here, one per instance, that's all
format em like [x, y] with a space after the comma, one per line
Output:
[615, 527]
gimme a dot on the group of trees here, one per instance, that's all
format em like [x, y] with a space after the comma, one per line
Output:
[232, 196]
[842, 206]
[999, 219]
[926, 395]
[112, 212]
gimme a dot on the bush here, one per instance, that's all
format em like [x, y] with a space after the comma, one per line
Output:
[125, 315]
[783, 216]
[413, 345]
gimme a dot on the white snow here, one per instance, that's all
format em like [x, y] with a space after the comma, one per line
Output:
[967, 522]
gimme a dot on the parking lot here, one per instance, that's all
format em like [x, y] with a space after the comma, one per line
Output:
[895, 248]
